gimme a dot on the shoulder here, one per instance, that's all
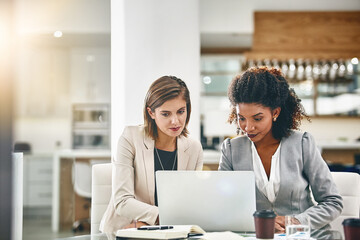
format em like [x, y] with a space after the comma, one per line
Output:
[133, 133]
[299, 137]
[295, 136]
[237, 143]
[241, 140]
[133, 130]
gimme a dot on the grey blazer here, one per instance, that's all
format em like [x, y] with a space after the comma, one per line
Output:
[301, 167]
[133, 178]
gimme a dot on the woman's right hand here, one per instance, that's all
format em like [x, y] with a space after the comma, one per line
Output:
[136, 224]
[280, 224]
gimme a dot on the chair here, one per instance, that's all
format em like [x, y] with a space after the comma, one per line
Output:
[348, 184]
[82, 181]
[101, 193]
[82, 187]
[22, 147]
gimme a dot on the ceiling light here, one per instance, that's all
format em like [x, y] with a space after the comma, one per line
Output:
[58, 34]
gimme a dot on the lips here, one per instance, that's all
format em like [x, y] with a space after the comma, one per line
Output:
[251, 135]
[175, 129]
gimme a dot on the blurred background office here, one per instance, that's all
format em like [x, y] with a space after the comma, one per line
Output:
[80, 66]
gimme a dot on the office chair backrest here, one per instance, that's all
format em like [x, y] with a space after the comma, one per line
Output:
[101, 193]
[82, 178]
[348, 184]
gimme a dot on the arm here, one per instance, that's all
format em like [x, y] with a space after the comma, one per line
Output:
[199, 162]
[225, 160]
[324, 190]
[123, 185]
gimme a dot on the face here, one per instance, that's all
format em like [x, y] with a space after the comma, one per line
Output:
[170, 118]
[256, 120]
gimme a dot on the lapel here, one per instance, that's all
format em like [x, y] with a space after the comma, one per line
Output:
[287, 165]
[281, 194]
[243, 151]
[148, 160]
[148, 153]
[183, 155]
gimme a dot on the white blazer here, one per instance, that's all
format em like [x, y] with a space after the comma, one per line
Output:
[133, 177]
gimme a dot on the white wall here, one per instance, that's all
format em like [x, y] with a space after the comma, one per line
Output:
[79, 16]
[236, 16]
[43, 133]
[329, 129]
[151, 39]
[51, 74]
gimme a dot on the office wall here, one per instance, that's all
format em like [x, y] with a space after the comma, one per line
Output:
[330, 129]
[80, 16]
[236, 16]
[151, 39]
[53, 73]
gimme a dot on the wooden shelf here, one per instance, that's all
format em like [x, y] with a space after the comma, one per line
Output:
[307, 35]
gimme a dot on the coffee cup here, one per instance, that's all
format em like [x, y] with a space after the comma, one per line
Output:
[264, 224]
[351, 228]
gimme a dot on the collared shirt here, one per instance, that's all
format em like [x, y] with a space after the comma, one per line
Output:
[270, 187]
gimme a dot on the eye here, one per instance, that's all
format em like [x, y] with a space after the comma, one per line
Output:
[258, 119]
[181, 111]
[241, 119]
[165, 114]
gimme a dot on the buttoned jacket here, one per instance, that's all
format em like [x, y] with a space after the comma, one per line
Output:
[133, 177]
[303, 173]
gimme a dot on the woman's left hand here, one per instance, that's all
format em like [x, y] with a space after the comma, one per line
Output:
[280, 224]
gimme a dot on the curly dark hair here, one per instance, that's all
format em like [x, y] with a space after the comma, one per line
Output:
[268, 87]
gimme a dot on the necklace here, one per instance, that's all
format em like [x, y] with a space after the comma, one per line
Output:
[161, 162]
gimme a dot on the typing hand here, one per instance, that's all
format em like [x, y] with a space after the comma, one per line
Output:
[136, 224]
[280, 224]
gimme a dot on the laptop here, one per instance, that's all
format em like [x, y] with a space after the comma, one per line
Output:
[214, 200]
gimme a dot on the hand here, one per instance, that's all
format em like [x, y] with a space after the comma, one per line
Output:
[280, 224]
[136, 224]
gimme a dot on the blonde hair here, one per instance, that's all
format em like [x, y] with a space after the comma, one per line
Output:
[163, 89]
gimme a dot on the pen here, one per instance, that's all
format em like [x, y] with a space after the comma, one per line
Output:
[154, 227]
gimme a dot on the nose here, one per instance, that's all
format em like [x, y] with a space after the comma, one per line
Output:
[174, 119]
[249, 126]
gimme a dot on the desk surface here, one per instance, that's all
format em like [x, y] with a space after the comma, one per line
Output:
[315, 234]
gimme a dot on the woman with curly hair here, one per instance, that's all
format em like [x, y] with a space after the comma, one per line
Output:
[285, 161]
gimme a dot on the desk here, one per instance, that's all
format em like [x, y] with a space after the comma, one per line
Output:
[63, 193]
[318, 234]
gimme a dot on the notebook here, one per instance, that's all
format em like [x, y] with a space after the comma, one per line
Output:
[214, 200]
[176, 232]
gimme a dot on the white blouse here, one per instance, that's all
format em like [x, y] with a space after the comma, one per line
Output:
[270, 187]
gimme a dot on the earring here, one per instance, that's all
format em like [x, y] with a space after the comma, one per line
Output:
[274, 119]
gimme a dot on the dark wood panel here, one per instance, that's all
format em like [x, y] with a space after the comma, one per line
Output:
[309, 31]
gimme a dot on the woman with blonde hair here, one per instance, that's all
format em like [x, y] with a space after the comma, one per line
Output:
[161, 143]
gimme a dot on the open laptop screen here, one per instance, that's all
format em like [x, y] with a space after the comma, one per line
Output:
[214, 200]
